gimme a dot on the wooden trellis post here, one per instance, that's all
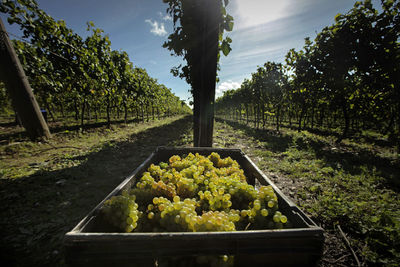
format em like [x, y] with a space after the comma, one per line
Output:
[23, 99]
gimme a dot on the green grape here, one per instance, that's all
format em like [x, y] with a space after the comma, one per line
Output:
[264, 212]
[196, 193]
[271, 204]
[121, 211]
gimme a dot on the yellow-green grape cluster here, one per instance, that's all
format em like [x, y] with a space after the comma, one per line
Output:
[216, 221]
[198, 193]
[172, 216]
[186, 187]
[182, 216]
[220, 163]
[242, 195]
[161, 189]
[146, 181]
[215, 200]
[122, 212]
[263, 211]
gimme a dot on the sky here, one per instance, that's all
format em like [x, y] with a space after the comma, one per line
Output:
[264, 31]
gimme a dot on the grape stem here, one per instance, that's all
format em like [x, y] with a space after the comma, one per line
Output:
[348, 245]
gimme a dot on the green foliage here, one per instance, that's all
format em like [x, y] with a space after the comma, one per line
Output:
[185, 39]
[75, 74]
[346, 78]
[265, 92]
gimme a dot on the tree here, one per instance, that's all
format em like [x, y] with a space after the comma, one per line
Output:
[198, 38]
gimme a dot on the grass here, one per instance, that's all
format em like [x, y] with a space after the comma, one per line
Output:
[354, 185]
[47, 188]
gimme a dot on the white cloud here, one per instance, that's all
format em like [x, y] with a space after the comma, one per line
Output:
[166, 17]
[252, 13]
[157, 28]
[225, 86]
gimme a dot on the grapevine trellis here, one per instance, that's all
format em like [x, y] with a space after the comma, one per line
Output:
[84, 77]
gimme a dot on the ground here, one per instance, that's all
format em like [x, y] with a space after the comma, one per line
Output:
[47, 188]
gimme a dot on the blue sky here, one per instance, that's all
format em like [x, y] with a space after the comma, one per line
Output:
[264, 31]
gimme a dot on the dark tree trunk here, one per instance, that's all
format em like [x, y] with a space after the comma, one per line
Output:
[398, 122]
[346, 122]
[321, 117]
[147, 113]
[247, 114]
[76, 110]
[312, 118]
[95, 112]
[278, 111]
[126, 112]
[62, 110]
[152, 112]
[204, 68]
[48, 109]
[255, 115]
[83, 112]
[108, 111]
[142, 111]
[263, 115]
[88, 111]
[301, 118]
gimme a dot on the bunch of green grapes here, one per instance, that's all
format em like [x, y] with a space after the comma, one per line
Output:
[146, 181]
[172, 216]
[215, 200]
[162, 189]
[216, 221]
[198, 193]
[122, 212]
[186, 187]
[215, 158]
[263, 211]
[242, 195]
[182, 216]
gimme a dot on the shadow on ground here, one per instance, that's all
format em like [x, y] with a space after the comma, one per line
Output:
[38, 210]
[344, 158]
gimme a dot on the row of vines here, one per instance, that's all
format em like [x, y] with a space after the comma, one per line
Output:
[83, 76]
[348, 78]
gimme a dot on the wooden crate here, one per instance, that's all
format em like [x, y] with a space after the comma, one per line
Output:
[88, 244]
